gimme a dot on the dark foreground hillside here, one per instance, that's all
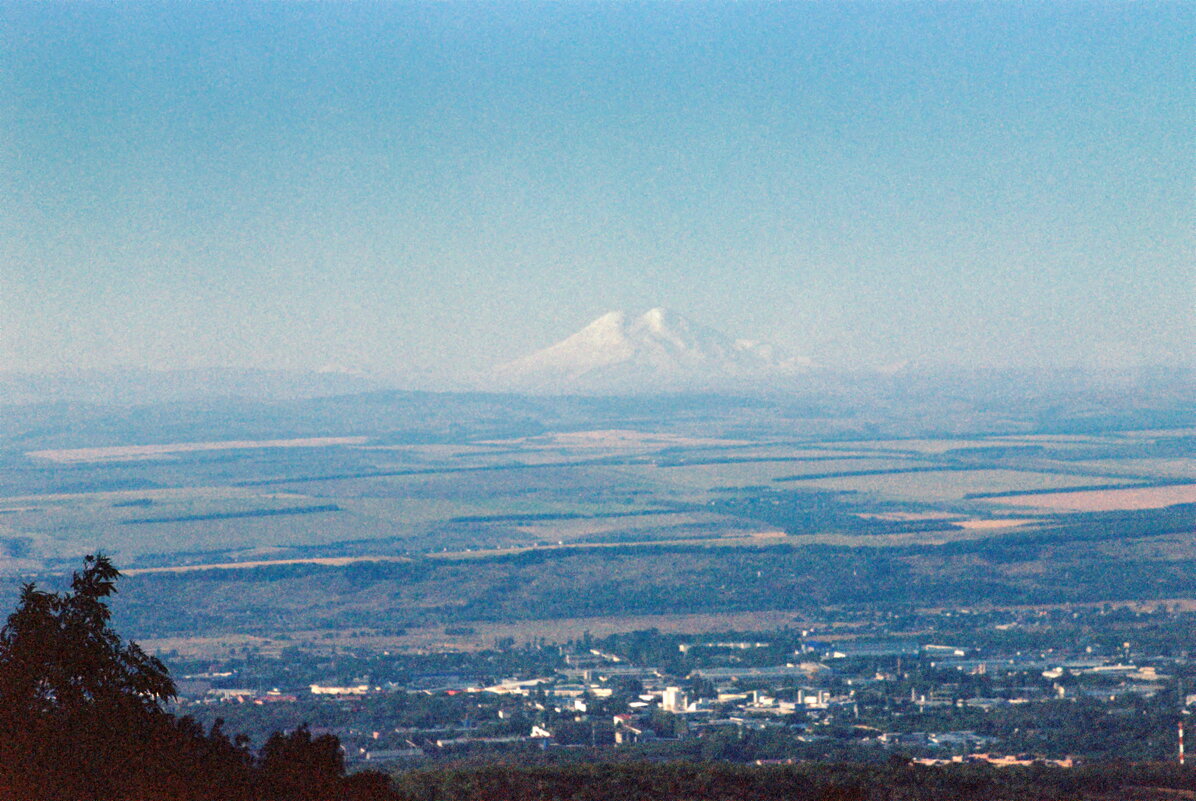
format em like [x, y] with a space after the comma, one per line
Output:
[812, 782]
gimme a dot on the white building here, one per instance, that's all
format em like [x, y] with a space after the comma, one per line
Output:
[674, 700]
[324, 689]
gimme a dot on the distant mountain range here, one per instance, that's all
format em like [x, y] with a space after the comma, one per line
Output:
[657, 351]
[140, 386]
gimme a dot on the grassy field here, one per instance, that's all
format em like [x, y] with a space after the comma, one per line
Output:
[1107, 500]
[951, 485]
[599, 529]
[706, 477]
[229, 501]
[1158, 468]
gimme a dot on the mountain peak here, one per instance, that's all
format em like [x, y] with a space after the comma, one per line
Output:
[654, 318]
[612, 319]
[657, 351]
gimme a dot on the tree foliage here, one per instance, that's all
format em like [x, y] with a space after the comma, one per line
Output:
[60, 658]
[722, 781]
[82, 718]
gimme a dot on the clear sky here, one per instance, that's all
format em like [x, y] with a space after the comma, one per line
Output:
[427, 189]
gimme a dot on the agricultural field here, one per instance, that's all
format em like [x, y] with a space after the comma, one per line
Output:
[345, 495]
[928, 485]
[630, 511]
[1107, 500]
[697, 479]
[342, 495]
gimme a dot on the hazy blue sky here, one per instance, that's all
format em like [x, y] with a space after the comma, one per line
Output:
[431, 188]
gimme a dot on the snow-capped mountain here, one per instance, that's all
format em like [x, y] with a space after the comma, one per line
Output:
[657, 351]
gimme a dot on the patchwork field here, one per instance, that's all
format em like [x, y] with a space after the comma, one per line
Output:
[932, 486]
[738, 474]
[347, 496]
[476, 636]
[1158, 468]
[518, 517]
[1107, 500]
[128, 452]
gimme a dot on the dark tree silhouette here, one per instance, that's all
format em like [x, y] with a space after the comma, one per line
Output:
[82, 718]
[298, 767]
[80, 709]
[58, 654]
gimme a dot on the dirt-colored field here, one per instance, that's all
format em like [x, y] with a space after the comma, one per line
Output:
[485, 635]
[733, 538]
[1106, 500]
[616, 438]
[562, 630]
[928, 447]
[131, 452]
[1147, 468]
[984, 525]
[1055, 439]
[1151, 433]
[907, 517]
[335, 561]
[566, 530]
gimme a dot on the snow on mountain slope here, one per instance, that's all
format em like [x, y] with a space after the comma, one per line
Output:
[657, 351]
